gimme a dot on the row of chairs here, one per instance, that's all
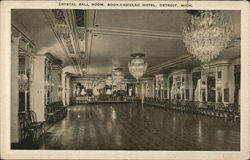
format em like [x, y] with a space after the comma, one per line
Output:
[212, 109]
[55, 111]
[79, 100]
[133, 99]
[30, 129]
[84, 99]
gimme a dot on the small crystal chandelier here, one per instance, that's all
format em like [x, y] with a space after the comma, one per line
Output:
[23, 82]
[117, 75]
[206, 35]
[109, 81]
[137, 66]
[101, 85]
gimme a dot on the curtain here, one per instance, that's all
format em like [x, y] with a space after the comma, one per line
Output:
[170, 87]
[237, 84]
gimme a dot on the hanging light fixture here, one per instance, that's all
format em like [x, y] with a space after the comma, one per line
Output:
[137, 66]
[101, 85]
[206, 35]
[109, 81]
[117, 75]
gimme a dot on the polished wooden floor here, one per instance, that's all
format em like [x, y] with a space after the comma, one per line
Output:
[137, 127]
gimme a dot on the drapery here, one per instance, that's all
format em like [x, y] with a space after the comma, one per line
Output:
[237, 84]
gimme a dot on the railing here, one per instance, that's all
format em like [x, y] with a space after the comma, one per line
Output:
[211, 109]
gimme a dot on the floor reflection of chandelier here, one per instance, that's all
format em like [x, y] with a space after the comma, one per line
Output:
[206, 35]
[118, 75]
[137, 66]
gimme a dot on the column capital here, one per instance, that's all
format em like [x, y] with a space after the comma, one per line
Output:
[15, 37]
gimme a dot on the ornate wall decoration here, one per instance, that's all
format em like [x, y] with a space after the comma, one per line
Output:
[59, 16]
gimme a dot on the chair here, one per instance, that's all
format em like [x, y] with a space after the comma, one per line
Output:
[30, 128]
[167, 103]
[234, 112]
[24, 131]
[189, 106]
[219, 110]
[196, 107]
[39, 127]
[237, 114]
[210, 109]
[203, 108]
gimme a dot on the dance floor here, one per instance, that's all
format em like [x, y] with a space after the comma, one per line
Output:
[139, 127]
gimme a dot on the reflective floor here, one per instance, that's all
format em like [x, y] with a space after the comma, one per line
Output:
[137, 127]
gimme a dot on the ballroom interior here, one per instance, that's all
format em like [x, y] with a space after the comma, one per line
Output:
[125, 79]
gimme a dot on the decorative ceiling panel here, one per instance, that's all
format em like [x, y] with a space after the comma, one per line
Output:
[94, 41]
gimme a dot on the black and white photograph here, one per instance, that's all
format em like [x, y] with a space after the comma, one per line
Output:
[126, 80]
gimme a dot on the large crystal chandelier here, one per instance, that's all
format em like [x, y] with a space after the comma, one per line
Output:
[137, 66]
[117, 75]
[206, 35]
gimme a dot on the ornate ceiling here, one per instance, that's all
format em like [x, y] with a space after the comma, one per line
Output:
[68, 27]
[93, 42]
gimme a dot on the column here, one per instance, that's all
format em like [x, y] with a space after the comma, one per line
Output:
[56, 80]
[63, 88]
[67, 90]
[38, 88]
[14, 90]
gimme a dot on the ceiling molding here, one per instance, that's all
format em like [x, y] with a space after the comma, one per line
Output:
[134, 32]
[90, 18]
[95, 17]
[95, 28]
[89, 41]
[16, 32]
[170, 63]
[99, 76]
